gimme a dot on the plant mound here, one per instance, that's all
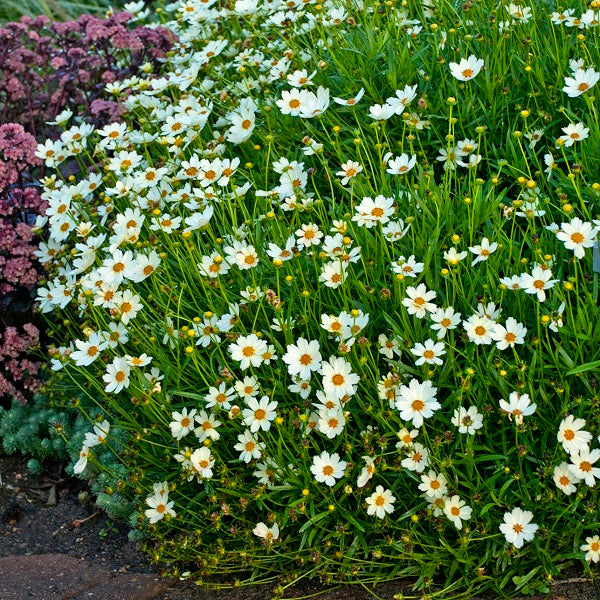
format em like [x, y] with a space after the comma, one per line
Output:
[328, 293]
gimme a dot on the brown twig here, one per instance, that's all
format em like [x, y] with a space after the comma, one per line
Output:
[78, 522]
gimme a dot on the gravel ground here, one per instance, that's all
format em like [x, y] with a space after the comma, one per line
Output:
[43, 515]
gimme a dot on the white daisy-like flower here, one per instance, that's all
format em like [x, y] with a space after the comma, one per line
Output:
[269, 534]
[328, 468]
[574, 132]
[159, 504]
[338, 378]
[467, 68]
[248, 350]
[417, 459]
[572, 436]
[479, 329]
[367, 472]
[564, 479]
[577, 236]
[303, 358]
[182, 423]
[434, 485]
[518, 406]
[401, 165]
[508, 335]
[582, 465]
[380, 502]
[418, 300]
[517, 527]
[248, 447]
[117, 375]
[457, 511]
[444, 319]
[482, 251]
[81, 463]
[468, 420]
[538, 282]
[259, 413]
[581, 81]
[207, 427]
[417, 402]
[203, 462]
[591, 549]
[429, 353]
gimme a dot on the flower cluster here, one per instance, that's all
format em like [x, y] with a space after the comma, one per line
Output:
[339, 311]
[48, 67]
[20, 203]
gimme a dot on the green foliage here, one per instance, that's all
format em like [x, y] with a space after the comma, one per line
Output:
[34, 429]
[186, 313]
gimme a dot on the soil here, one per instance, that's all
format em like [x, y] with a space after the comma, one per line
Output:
[45, 515]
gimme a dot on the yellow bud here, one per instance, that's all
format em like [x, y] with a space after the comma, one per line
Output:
[305, 492]
[545, 319]
[277, 262]
[189, 349]
[279, 420]
[503, 373]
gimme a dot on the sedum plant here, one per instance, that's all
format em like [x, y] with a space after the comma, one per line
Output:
[329, 297]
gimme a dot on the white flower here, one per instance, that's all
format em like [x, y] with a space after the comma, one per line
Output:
[331, 422]
[203, 462]
[582, 465]
[89, 350]
[269, 534]
[517, 527]
[207, 427]
[418, 301]
[380, 502]
[328, 468]
[338, 379]
[479, 329]
[303, 358]
[518, 406]
[81, 464]
[401, 164]
[467, 420]
[372, 211]
[581, 82]
[538, 282]
[183, 422]
[348, 171]
[483, 250]
[367, 472]
[388, 347]
[509, 335]
[433, 485]
[117, 375]
[577, 235]
[591, 549]
[259, 413]
[417, 402]
[417, 459]
[572, 436]
[429, 353]
[444, 319]
[564, 479]
[248, 447]
[467, 68]
[159, 504]
[574, 132]
[457, 510]
[248, 350]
